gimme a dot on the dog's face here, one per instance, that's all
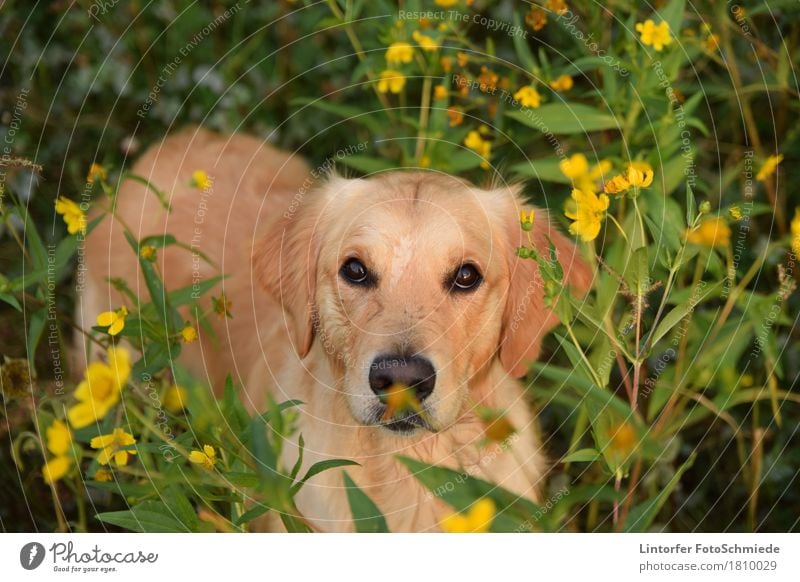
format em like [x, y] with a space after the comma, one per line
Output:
[408, 284]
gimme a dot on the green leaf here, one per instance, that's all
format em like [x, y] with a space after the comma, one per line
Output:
[11, 300]
[190, 293]
[144, 521]
[367, 164]
[252, 514]
[35, 329]
[162, 197]
[691, 205]
[347, 112]
[319, 467]
[366, 515]
[582, 456]
[521, 46]
[565, 118]
[178, 506]
[672, 14]
[643, 514]
[674, 317]
[545, 169]
[155, 287]
[460, 491]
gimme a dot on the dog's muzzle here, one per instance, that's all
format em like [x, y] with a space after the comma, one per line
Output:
[402, 384]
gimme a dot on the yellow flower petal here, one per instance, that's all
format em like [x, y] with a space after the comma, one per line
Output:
[106, 318]
[81, 415]
[399, 52]
[174, 398]
[574, 167]
[59, 438]
[56, 468]
[102, 441]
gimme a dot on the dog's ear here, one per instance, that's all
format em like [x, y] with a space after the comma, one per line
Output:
[526, 320]
[285, 259]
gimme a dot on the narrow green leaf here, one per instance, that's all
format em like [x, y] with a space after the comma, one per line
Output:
[582, 456]
[565, 118]
[643, 514]
[366, 515]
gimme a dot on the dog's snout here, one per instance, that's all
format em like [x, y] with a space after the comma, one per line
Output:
[416, 373]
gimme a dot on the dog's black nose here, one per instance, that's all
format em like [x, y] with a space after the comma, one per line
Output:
[416, 373]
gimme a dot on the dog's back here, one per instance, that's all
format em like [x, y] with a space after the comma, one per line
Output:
[252, 185]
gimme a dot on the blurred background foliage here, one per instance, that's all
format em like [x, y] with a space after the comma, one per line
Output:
[97, 82]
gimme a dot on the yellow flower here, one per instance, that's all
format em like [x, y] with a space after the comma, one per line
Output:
[391, 80]
[462, 58]
[487, 80]
[497, 427]
[526, 219]
[96, 172]
[639, 175]
[113, 320]
[577, 169]
[528, 96]
[574, 167]
[711, 43]
[588, 215]
[201, 180]
[174, 398]
[446, 3]
[56, 468]
[536, 18]
[103, 475]
[600, 169]
[112, 447]
[399, 399]
[617, 185]
[655, 35]
[73, 215]
[735, 213]
[440, 92]
[425, 42]
[59, 438]
[222, 305]
[478, 519]
[189, 334]
[100, 391]
[482, 147]
[455, 115]
[59, 441]
[557, 6]
[622, 438]
[770, 164]
[207, 457]
[148, 252]
[713, 232]
[399, 52]
[795, 228]
[447, 64]
[563, 83]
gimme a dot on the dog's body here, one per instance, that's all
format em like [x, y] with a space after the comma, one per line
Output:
[301, 329]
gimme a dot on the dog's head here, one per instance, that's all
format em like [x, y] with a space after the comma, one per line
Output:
[411, 285]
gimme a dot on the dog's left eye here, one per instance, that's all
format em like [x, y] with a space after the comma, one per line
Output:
[466, 278]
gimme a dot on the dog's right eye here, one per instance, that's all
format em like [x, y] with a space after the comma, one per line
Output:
[355, 272]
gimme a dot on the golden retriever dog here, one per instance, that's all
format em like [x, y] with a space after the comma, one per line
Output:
[342, 289]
